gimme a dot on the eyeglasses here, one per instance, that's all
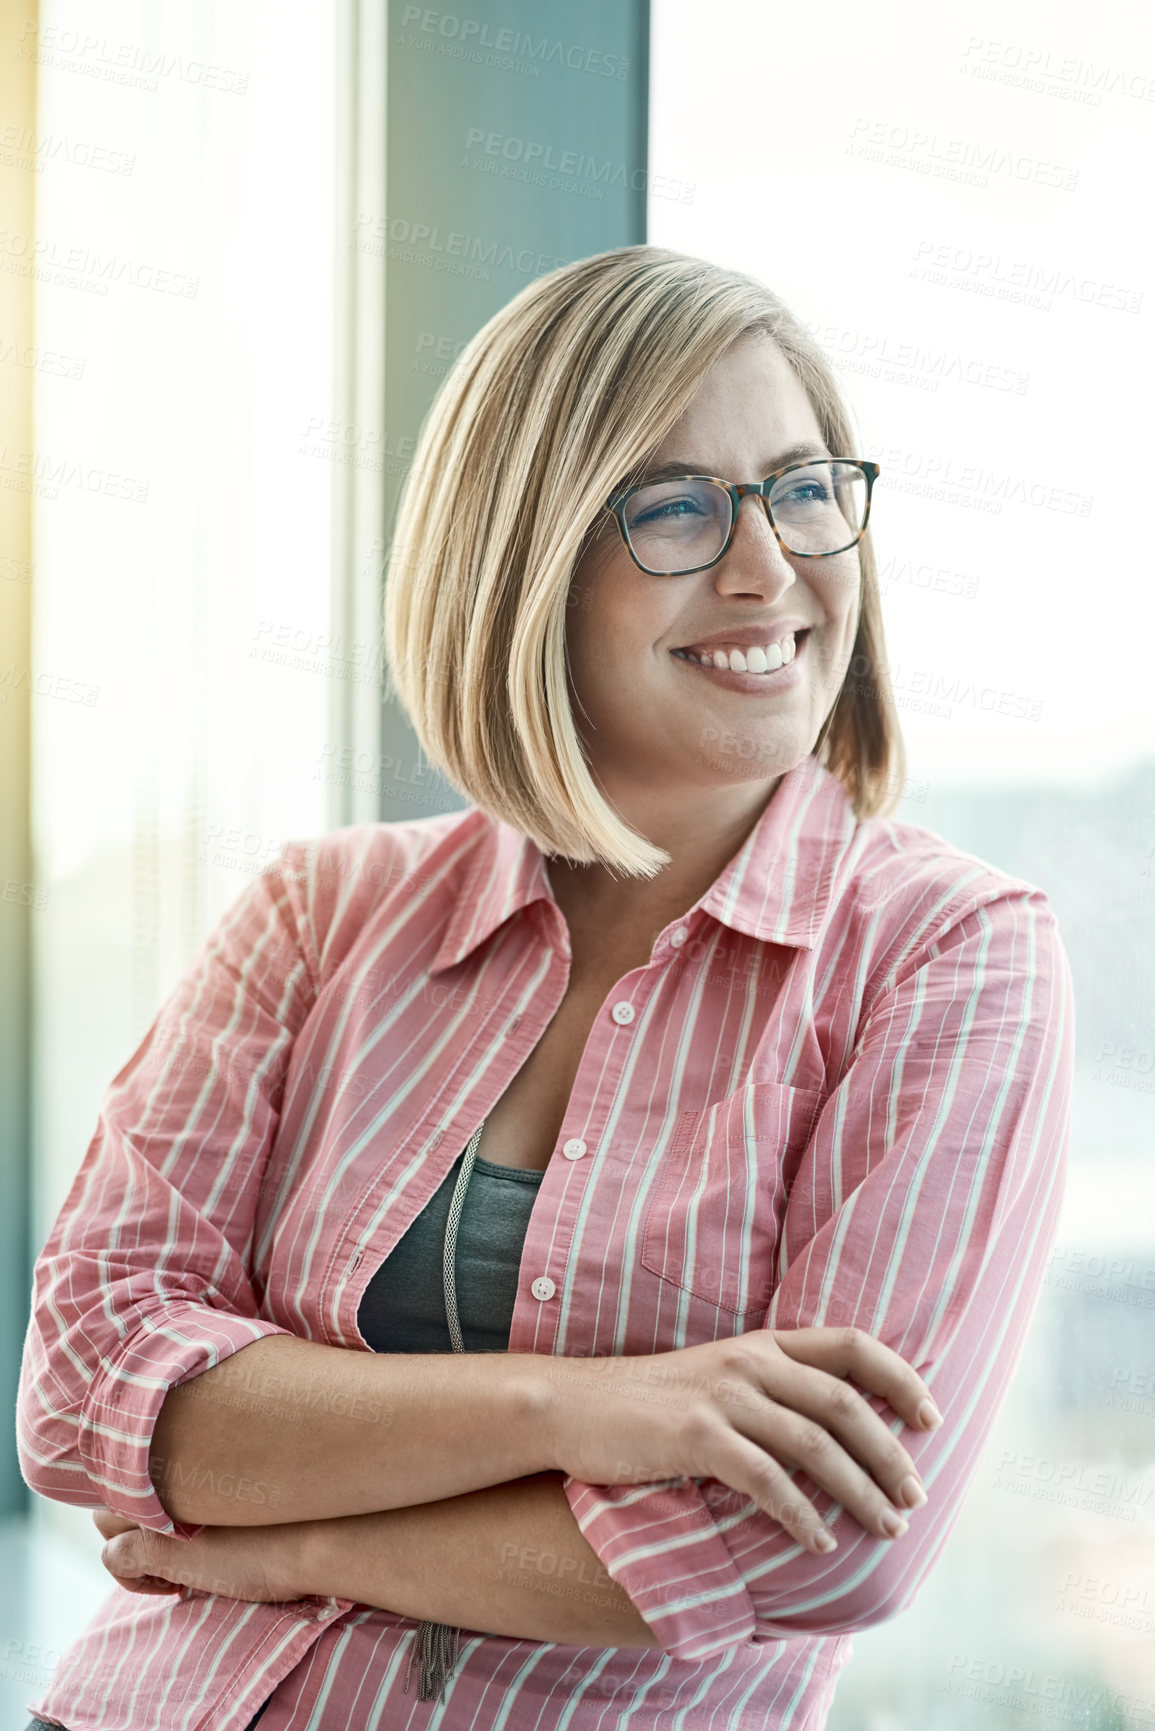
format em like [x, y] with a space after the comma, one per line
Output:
[685, 524]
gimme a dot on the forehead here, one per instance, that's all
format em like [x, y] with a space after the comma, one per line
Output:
[750, 406]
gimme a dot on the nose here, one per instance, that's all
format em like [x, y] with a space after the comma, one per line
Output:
[754, 547]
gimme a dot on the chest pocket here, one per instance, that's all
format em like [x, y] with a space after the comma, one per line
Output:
[714, 1216]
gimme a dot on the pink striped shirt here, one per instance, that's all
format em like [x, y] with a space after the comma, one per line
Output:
[838, 1092]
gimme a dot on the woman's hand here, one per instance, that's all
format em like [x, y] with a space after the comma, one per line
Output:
[261, 1563]
[740, 1410]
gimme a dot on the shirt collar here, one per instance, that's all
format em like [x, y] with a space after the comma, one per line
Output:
[776, 888]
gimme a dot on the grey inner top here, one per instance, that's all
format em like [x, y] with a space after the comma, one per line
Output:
[403, 1307]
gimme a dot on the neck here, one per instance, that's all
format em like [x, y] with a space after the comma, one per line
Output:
[701, 836]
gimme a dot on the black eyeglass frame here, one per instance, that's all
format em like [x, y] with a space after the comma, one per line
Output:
[738, 491]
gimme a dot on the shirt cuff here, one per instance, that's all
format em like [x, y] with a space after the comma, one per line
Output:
[661, 1544]
[120, 1407]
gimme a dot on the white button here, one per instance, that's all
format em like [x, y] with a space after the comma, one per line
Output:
[543, 1287]
[328, 1611]
[623, 1012]
[574, 1148]
[678, 937]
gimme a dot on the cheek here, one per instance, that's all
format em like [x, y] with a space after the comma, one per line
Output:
[580, 598]
[842, 600]
[844, 589]
[578, 605]
[581, 630]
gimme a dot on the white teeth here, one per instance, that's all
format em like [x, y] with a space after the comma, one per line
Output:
[752, 660]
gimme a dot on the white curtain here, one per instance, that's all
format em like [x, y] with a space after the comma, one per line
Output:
[184, 258]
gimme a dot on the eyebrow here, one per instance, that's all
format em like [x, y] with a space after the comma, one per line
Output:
[680, 466]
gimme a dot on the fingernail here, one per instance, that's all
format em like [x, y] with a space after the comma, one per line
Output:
[825, 1541]
[910, 1493]
[929, 1416]
[893, 1524]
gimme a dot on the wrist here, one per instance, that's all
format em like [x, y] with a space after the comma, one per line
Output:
[563, 1402]
[543, 1392]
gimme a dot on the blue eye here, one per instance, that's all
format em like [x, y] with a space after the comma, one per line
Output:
[668, 511]
[809, 492]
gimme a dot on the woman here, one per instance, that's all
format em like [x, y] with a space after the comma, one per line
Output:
[759, 1100]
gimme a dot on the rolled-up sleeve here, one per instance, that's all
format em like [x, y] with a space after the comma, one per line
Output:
[142, 1282]
[923, 1213]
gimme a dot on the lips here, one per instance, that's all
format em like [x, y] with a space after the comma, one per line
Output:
[771, 680]
[743, 636]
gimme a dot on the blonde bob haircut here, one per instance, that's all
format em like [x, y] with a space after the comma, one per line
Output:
[559, 399]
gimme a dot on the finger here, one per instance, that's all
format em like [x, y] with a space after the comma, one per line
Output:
[125, 1555]
[126, 1562]
[852, 1352]
[749, 1469]
[846, 1414]
[109, 1518]
[149, 1584]
[109, 1524]
[798, 1441]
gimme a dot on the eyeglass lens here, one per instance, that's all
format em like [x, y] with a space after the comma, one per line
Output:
[677, 525]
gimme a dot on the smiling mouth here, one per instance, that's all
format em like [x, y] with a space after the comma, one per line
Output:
[760, 667]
